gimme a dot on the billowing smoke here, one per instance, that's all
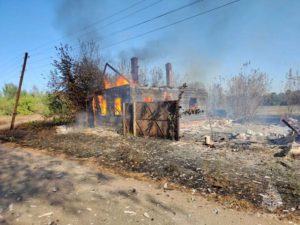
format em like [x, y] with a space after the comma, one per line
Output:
[76, 17]
[151, 51]
[179, 44]
[189, 64]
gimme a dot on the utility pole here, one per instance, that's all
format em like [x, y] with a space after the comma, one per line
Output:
[19, 92]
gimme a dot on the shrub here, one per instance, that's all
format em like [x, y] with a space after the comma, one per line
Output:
[28, 104]
[6, 106]
[59, 107]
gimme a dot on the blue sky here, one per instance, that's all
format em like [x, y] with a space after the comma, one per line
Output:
[264, 32]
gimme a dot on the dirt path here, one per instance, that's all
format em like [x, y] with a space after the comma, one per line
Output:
[40, 189]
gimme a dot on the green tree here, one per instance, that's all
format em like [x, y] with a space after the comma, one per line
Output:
[74, 78]
[9, 90]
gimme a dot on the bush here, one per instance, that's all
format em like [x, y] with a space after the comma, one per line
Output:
[28, 105]
[59, 107]
[6, 106]
[9, 90]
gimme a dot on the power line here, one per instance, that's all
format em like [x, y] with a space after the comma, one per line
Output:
[9, 74]
[11, 59]
[10, 64]
[152, 19]
[94, 23]
[84, 28]
[40, 69]
[42, 59]
[174, 23]
[10, 69]
[114, 14]
[111, 23]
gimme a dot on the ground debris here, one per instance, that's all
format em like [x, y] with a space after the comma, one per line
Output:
[132, 213]
[167, 187]
[271, 199]
[234, 167]
[11, 207]
[216, 211]
[45, 214]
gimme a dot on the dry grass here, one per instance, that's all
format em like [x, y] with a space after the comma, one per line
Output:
[6, 120]
[276, 110]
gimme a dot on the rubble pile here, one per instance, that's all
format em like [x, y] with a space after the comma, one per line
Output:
[195, 130]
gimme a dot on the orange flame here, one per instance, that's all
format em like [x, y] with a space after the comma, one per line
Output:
[102, 104]
[94, 105]
[148, 99]
[107, 84]
[118, 107]
[121, 80]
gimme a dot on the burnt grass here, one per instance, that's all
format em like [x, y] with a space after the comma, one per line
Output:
[226, 170]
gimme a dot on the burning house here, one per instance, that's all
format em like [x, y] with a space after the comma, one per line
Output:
[107, 107]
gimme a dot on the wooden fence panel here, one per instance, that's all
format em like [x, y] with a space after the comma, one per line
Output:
[153, 119]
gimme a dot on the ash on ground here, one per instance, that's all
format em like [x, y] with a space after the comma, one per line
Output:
[248, 161]
[196, 127]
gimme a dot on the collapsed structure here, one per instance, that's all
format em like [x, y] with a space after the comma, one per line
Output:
[106, 107]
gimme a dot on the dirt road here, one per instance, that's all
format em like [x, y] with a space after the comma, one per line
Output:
[40, 189]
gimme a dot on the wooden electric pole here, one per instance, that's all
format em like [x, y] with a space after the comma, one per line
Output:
[19, 92]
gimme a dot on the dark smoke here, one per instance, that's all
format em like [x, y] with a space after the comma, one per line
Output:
[189, 64]
[150, 51]
[172, 44]
[72, 16]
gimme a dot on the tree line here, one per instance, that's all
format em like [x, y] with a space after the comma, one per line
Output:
[31, 102]
[241, 95]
